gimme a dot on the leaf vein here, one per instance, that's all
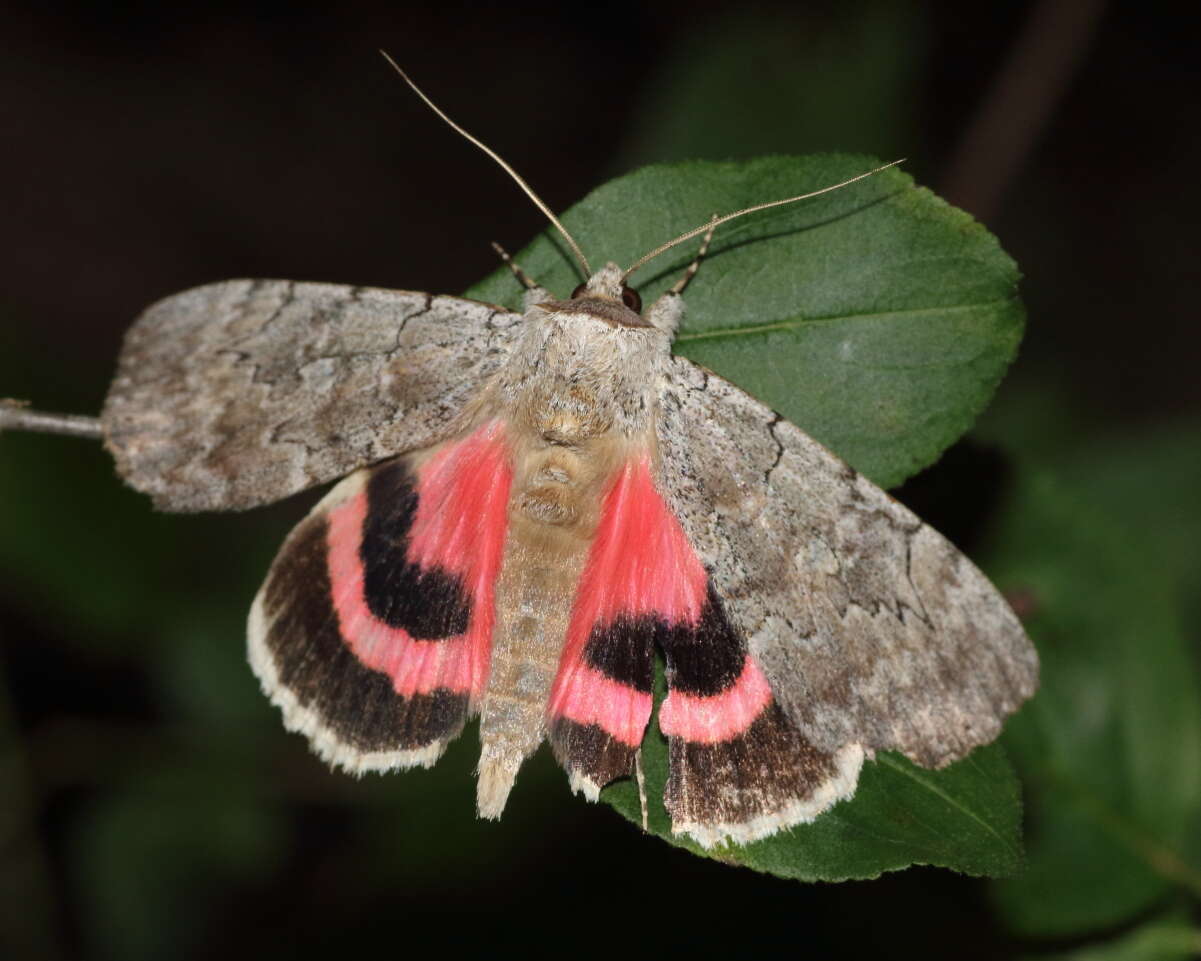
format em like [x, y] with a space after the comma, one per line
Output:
[751, 329]
[949, 799]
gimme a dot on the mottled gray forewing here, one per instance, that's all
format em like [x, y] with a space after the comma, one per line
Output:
[240, 393]
[869, 625]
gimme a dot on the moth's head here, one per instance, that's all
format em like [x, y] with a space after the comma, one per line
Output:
[607, 297]
[609, 283]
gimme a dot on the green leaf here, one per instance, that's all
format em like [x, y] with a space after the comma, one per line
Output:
[1110, 748]
[966, 817]
[876, 317]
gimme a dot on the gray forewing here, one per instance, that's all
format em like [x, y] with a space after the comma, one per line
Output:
[240, 393]
[870, 626]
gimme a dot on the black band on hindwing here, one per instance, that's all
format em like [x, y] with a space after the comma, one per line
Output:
[705, 658]
[315, 663]
[590, 750]
[755, 774]
[429, 604]
[624, 650]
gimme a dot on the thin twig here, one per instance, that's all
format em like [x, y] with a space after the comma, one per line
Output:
[641, 786]
[16, 415]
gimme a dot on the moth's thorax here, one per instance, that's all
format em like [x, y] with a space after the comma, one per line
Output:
[584, 405]
[574, 375]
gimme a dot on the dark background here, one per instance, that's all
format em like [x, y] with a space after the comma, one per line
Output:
[150, 803]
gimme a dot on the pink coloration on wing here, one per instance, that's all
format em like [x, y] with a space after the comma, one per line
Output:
[463, 497]
[463, 494]
[591, 698]
[640, 563]
[708, 720]
[416, 667]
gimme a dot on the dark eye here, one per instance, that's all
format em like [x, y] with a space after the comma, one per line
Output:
[630, 298]
[579, 290]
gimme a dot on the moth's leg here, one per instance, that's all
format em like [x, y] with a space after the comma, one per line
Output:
[678, 287]
[534, 294]
[522, 277]
[667, 313]
[641, 785]
[668, 310]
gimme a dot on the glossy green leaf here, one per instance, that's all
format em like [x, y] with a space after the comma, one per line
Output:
[876, 317]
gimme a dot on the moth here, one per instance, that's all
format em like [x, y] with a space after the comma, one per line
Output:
[529, 506]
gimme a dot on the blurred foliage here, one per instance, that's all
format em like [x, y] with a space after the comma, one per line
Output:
[1173, 938]
[1111, 747]
[800, 72]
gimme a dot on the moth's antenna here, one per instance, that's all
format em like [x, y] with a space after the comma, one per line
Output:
[529, 191]
[643, 261]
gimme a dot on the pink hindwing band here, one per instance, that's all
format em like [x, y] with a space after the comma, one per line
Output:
[640, 571]
[720, 717]
[459, 530]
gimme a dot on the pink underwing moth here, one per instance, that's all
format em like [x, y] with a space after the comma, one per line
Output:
[528, 507]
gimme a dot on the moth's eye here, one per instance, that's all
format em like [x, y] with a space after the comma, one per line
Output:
[579, 290]
[629, 297]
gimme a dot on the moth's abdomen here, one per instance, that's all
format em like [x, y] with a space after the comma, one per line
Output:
[553, 493]
[552, 516]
